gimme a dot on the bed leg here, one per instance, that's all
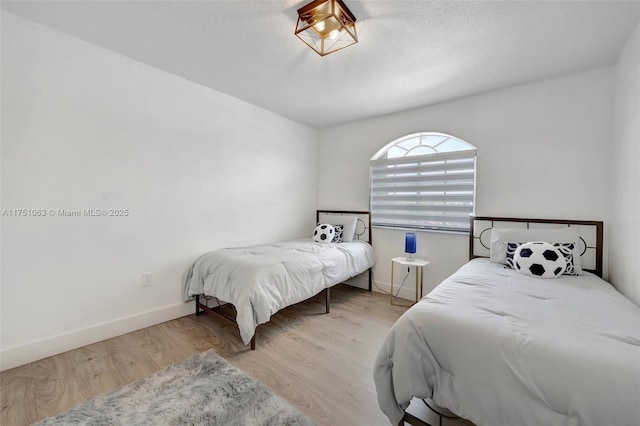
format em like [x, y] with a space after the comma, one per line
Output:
[198, 311]
[253, 343]
[370, 280]
[327, 300]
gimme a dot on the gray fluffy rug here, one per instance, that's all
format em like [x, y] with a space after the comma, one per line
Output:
[201, 390]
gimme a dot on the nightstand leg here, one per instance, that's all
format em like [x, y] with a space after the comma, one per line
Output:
[391, 293]
[416, 269]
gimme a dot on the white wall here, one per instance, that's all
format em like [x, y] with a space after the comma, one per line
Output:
[83, 127]
[625, 172]
[543, 151]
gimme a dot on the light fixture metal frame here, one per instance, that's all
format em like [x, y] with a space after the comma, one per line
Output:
[307, 19]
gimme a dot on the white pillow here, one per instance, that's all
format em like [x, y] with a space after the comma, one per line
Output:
[349, 222]
[501, 236]
[324, 233]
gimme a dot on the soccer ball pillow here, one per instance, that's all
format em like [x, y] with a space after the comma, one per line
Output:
[324, 233]
[565, 248]
[539, 259]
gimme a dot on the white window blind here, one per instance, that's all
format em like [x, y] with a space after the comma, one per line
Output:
[429, 191]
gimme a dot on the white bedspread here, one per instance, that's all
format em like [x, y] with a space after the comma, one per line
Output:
[260, 280]
[499, 348]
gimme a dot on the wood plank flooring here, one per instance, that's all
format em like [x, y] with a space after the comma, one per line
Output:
[321, 363]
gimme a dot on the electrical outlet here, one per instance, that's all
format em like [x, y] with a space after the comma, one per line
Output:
[146, 279]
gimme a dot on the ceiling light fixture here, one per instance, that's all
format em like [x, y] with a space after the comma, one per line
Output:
[326, 26]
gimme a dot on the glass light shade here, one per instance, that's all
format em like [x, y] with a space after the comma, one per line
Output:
[410, 242]
[326, 26]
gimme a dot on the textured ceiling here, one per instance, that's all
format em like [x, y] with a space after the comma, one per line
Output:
[410, 54]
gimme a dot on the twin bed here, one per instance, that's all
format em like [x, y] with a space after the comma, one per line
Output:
[248, 285]
[501, 346]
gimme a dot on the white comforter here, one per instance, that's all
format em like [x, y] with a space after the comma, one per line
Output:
[499, 348]
[260, 280]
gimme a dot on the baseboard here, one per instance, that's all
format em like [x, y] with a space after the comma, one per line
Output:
[359, 281]
[20, 355]
[408, 293]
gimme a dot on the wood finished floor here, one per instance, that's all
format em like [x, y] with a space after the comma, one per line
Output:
[321, 363]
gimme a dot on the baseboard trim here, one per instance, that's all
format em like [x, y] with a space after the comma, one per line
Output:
[34, 351]
[408, 293]
[358, 281]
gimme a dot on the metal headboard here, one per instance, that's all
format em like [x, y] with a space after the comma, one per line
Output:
[591, 234]
[363, 224]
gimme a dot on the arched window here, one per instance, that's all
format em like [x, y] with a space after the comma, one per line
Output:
[423, 181]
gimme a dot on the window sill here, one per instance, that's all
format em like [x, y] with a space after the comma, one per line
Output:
[464, 232]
